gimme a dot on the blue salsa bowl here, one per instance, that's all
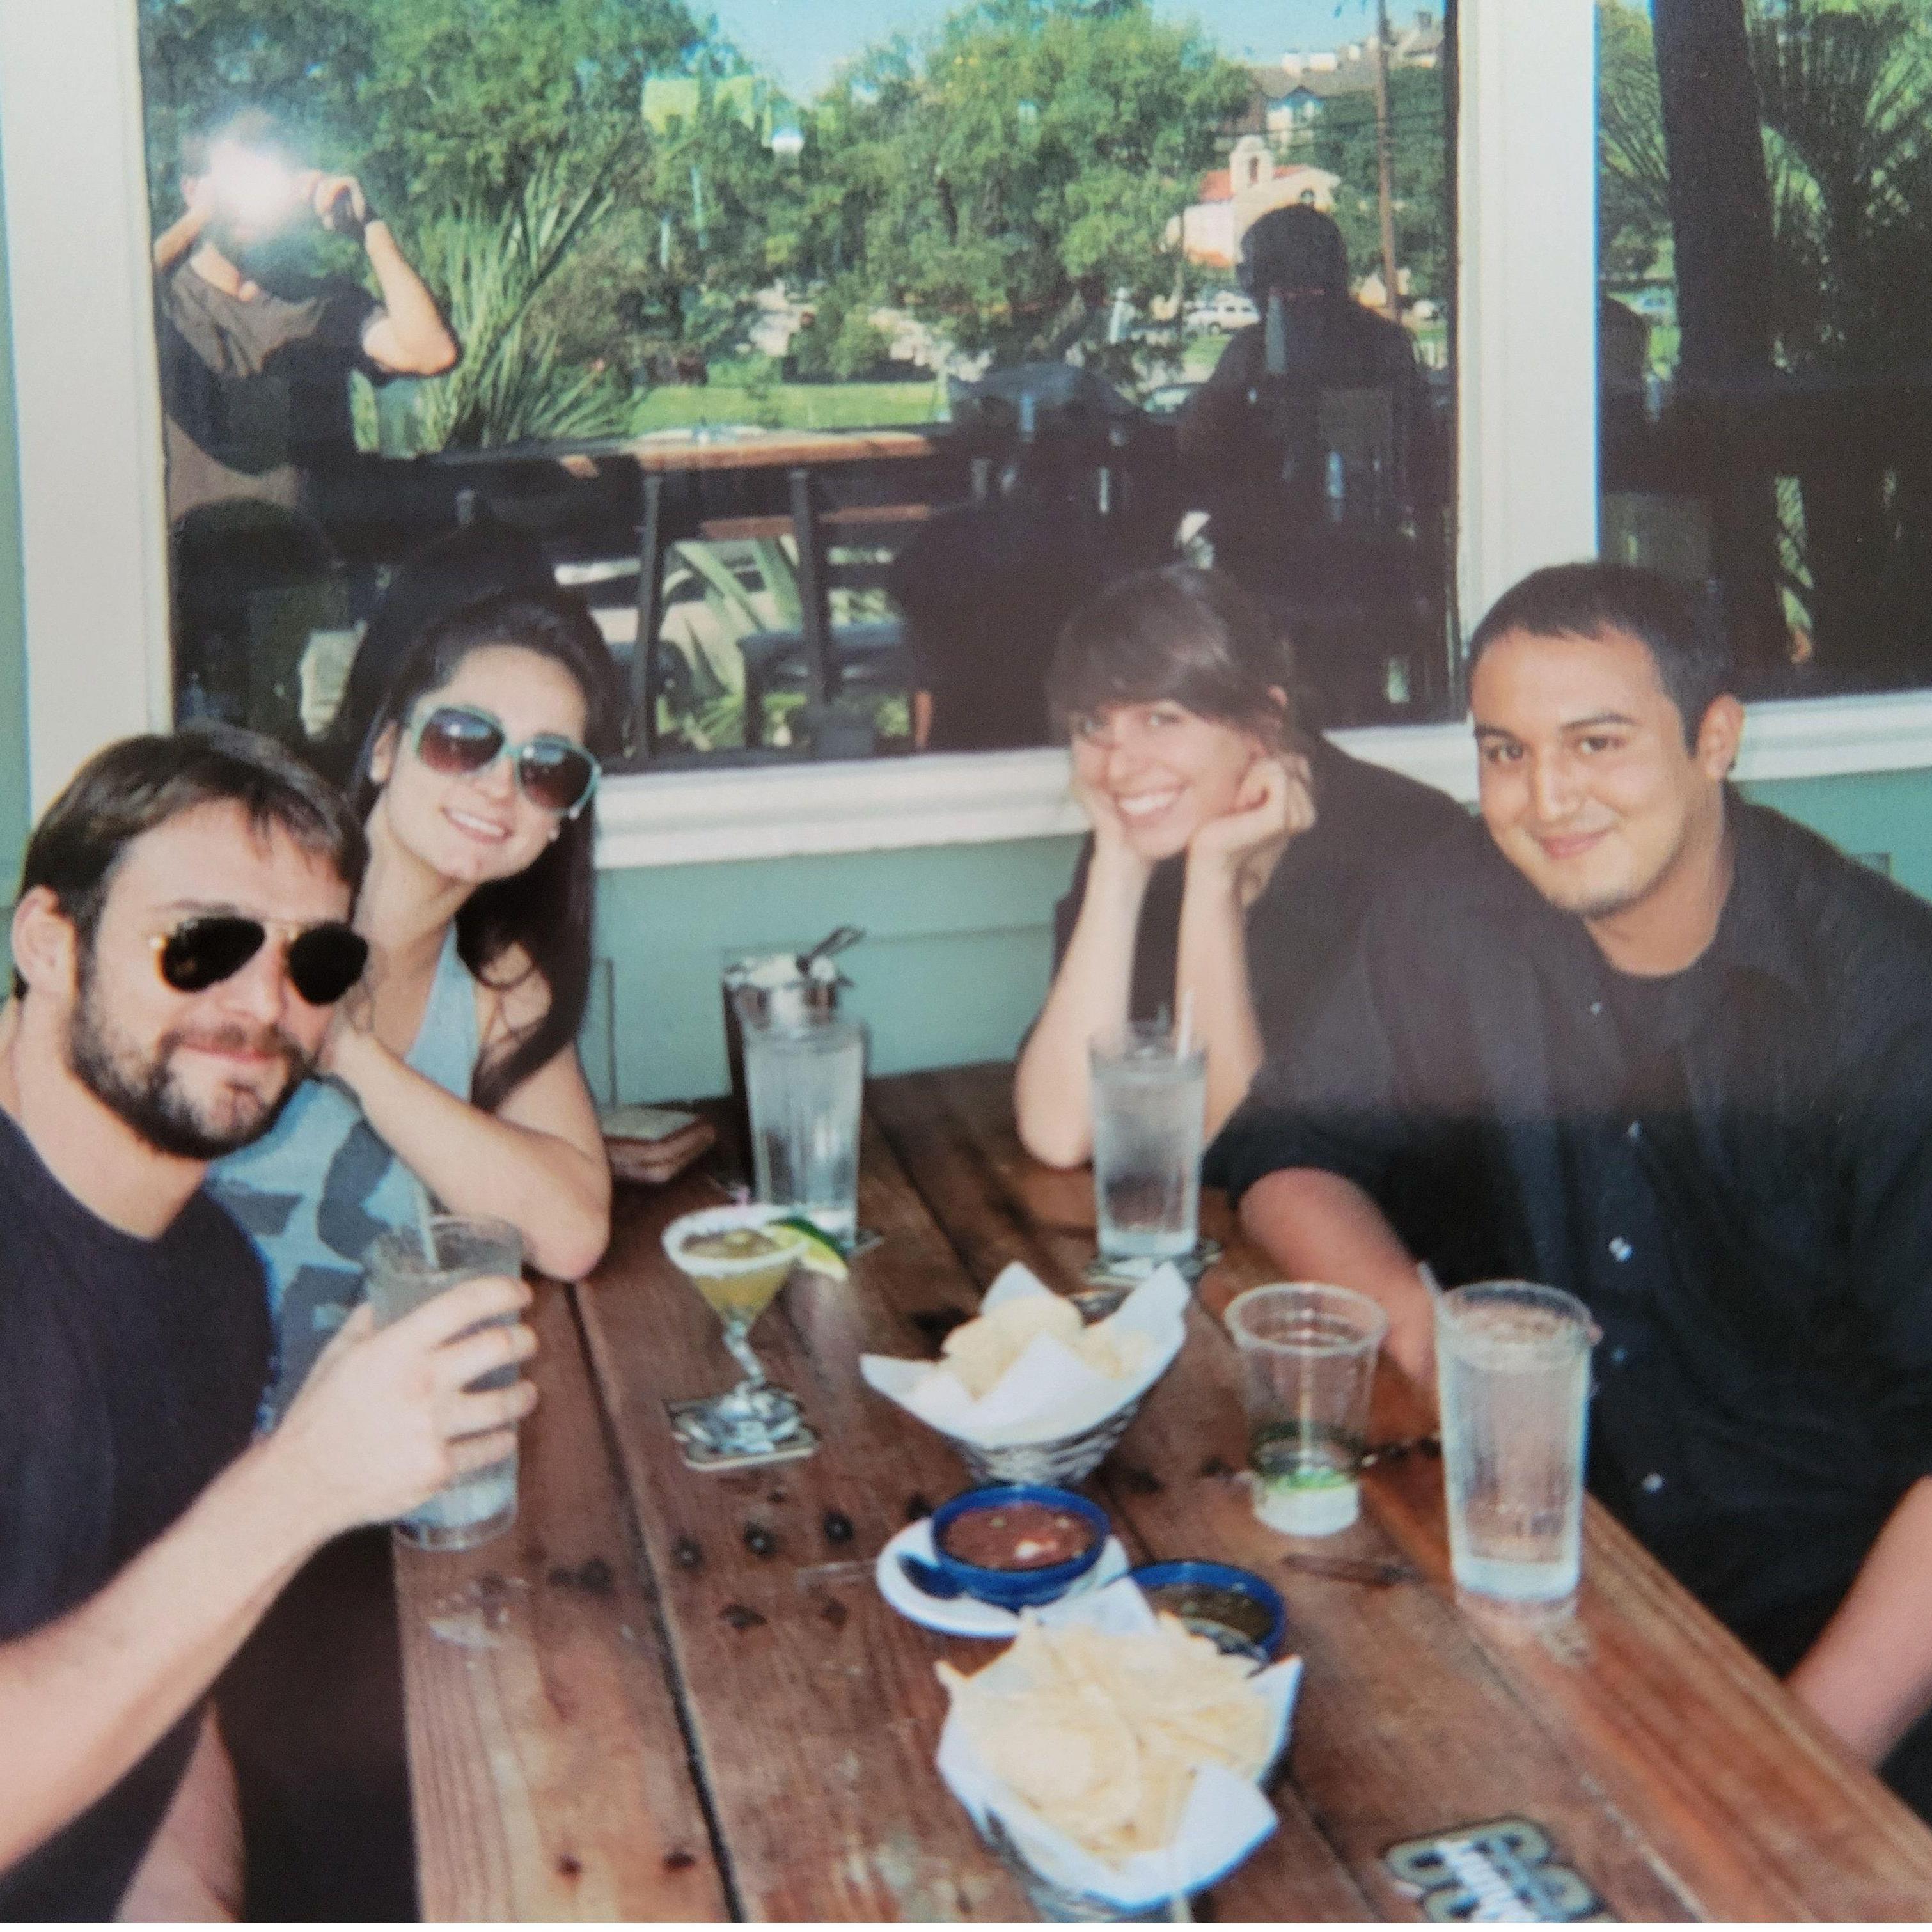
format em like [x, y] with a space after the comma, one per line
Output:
[1173, 1586]
[1012, 1589]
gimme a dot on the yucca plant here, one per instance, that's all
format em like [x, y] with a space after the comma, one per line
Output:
[490, 265]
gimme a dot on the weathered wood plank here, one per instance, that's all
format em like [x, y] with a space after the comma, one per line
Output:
[550, 1776]
[813, 1706]
[1676, 1773]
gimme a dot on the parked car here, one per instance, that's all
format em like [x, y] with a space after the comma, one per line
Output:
[1225, 311]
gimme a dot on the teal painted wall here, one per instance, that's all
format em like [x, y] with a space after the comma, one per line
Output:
[960, 937]
[1885, 818]
[954, 963]
[13, 794]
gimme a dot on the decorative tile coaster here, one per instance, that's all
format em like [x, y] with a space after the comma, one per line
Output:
[1504, 1872]
[698, 1454]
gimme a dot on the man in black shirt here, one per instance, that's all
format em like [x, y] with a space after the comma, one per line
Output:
[1670, 1051]
[178, 943]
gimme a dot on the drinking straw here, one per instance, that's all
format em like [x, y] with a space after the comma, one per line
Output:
[1187, 1022]
[424, 1232]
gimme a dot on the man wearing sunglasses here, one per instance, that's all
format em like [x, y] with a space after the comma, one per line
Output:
[179, 941]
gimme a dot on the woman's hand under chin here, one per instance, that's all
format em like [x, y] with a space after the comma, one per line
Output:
[1240, 849]
[1111, 846]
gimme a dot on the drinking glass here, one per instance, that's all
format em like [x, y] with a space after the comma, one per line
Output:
[1513, 1371]
[766, 989]
[754, 1418]
[1150, 1100]
[806, 1082]
[405, 1268]
[1308, 1366]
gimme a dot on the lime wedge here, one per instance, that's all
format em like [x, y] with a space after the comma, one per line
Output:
[817, 1250]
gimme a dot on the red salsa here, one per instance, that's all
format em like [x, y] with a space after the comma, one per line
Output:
[1017, 1536]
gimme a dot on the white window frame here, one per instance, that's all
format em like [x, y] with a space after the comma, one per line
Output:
[93, 520]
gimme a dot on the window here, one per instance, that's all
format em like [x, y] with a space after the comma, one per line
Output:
[829, 372]
[1765, 211]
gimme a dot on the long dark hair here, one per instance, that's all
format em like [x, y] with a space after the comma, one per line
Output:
[546, 910]
[1192, 637]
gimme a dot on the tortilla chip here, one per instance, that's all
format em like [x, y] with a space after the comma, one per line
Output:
[1102, 1733]
[981, 1351]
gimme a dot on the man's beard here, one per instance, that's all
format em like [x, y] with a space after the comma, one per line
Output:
[145, 1095]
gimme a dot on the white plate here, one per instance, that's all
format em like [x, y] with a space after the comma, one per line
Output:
[966, 1616]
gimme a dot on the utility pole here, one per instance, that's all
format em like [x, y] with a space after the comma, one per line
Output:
[1385, 163]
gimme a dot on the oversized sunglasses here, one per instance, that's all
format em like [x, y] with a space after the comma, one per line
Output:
[554, 772]
[322, 962]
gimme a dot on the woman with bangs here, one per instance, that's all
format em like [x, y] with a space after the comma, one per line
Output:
[1232, 855]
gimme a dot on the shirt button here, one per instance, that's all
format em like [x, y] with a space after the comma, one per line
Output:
[1651, 1483]
[1621, 1250]
[1596, 1009]
[1634, 1131]
[1618, 1356]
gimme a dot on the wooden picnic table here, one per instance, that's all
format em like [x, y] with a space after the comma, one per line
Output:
[669, 1695]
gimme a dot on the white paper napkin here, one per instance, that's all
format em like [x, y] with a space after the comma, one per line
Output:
[1049, 1393]
[1225, 1817]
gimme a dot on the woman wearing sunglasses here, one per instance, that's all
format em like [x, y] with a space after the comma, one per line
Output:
[468, 738]
[452, 1064]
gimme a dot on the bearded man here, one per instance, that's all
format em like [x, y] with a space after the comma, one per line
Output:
[180, 940]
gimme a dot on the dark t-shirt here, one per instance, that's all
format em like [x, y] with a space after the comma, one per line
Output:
[254, 392]
[1367, 818]
[130, 1372]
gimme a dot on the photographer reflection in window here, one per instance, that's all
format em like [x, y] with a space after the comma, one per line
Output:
[1313, 446]
[1313, 336]
[255, 361]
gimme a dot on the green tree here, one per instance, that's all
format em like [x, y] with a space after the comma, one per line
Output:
[1632, 179]
[1004, 181]
[431, 100]
[1342, 140]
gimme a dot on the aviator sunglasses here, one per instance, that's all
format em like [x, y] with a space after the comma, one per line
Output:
[553, 772]
[322, 962]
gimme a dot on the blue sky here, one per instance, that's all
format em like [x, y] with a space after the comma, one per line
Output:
[802, 41]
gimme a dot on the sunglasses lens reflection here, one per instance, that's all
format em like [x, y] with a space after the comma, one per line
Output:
[453, 740]
[556, 775]
[325, 962]
[201, 952]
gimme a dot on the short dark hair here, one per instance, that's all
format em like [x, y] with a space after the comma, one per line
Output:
[138, 783]
[1193, 637]
[1678, 625]
[248, 125]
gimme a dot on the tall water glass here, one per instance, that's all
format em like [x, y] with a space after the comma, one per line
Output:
[404, 1269]
[805, 1083]
[1512, 1369]
[1308, 1368]
[1149, 1101]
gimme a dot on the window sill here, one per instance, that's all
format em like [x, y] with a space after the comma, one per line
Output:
[687, 817]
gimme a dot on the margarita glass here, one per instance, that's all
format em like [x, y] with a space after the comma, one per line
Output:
[738, 1258]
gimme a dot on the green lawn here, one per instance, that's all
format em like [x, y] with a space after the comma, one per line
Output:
[791, 405]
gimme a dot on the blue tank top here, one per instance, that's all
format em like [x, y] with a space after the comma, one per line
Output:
[314, 1192]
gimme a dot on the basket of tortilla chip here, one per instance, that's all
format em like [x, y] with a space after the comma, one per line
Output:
[1116, 1759]
[1026, 1391]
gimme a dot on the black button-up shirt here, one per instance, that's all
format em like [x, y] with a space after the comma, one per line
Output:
[1734, 1171]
